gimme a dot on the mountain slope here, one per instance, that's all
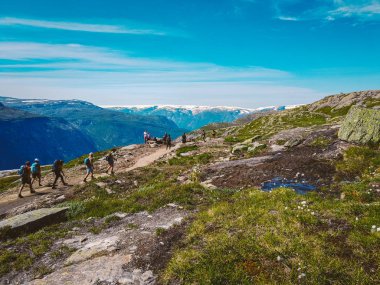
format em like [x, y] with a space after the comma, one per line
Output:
[107, 128]
[193, 117]
[25, 136]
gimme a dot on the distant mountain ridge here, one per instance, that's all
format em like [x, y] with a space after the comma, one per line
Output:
[24, 136]
[94, 127]
[192, 117]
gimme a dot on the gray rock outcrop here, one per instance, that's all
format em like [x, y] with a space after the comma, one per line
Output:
[33, 220]
[361, 125]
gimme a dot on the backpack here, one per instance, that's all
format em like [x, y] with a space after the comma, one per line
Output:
[21, 171]
[54, 167]
[34, 168]
[87, 162]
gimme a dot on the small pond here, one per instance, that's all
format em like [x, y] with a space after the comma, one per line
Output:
[301, 187]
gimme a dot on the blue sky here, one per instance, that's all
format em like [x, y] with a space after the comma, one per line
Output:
[246, 53]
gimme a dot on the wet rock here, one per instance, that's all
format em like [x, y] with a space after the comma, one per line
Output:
[361, 125]
[33, 220]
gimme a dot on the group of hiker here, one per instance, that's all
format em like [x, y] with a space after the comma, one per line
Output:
[32, 172]
[29, 173]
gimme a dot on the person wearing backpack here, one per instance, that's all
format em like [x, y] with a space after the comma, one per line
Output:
[36, 171]
[184, 138]
[169, 142]
[58, 171]
[89, 166]
[24, 173]
[111, 161]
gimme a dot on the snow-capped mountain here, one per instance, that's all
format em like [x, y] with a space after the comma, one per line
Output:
[192, 117]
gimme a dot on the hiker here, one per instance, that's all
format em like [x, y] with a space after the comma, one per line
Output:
[89, 166]
[36, 171]
[168, 142]
[24, 173]
[184, 138]
[145, 137]
[213, 134]
[58, 171]
[111, 161]
[204, 135]
[165, 138]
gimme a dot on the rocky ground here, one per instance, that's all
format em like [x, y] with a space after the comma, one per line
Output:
[178, 216]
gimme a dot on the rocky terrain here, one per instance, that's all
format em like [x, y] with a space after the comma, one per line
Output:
[196, 214]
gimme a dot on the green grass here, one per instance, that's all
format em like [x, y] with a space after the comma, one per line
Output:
[372, 102]
[149, 197]
[23, 252]
[7, 182]
[269, 125]
[203, 158]
[185, 149]
[358, 162]
[335, 112]
[272, 238]
[321, 142]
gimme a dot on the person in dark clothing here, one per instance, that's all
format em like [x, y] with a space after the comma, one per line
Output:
[25, 178]
[165, 138]
[58, 171]
[213, 134]
[168, 142]
[111, 161]
[184, 138]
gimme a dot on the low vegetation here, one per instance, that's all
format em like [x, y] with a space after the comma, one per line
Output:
[269, 125]
[23, 252]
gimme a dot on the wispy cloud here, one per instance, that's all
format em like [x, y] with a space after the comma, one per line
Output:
[82, 27]
[329, 10]
[367, 11]
[107, 77]
[284, 18]
[41, 56]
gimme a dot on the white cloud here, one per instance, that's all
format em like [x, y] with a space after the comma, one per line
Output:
[284, 18]
[109, 77]
[364, 10]
[73, 57]
[83, 27]
[330, 10]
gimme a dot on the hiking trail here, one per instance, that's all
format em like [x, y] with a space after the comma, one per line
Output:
[128, 159]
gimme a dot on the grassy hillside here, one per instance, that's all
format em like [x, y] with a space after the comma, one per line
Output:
[234, 232]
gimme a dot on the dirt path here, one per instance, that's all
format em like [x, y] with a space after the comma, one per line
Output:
[128, 159]
[149, 159]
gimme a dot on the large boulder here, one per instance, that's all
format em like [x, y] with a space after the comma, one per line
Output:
[361, 125]
[32, 221]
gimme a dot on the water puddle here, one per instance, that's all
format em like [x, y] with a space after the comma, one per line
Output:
[301, 187]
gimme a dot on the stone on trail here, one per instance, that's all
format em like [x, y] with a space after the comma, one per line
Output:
[33, 220]
[361, 125]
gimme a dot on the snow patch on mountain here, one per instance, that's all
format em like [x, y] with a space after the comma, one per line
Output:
[192, 117]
